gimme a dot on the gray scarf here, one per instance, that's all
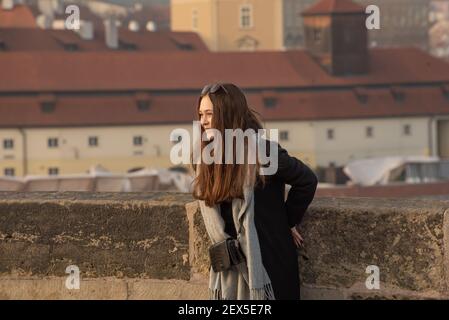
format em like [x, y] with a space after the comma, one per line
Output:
[248, 280]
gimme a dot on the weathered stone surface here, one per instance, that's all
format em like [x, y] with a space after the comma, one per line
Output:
[309, 292]
[111, 288]
[146, 246]
[360, 292]
[407, 239]
[168, 290]
[54, 288]
[404, 238]
[23, 257]
[199, 240]
[104, 234]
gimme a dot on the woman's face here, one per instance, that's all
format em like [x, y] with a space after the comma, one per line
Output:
[206, 113]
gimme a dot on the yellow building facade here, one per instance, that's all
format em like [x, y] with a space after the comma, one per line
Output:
[231, 25]
[120, 149]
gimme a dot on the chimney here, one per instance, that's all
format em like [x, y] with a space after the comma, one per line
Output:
[8, 4]
[86, 31]
[151, 26]
[44, 22]
[133, 26]
[111, 32]
[336, 36]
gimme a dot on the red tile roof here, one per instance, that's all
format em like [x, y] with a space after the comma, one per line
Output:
[101, 88]
[333, 6]
[120, 70]
[179, 107]
[388, 191]
[85, 13]
[19, 39]
[18, 17]
[158, 13]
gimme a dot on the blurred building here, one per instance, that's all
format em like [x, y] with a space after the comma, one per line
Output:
[16, 16]
[19, 32]
[155, 16]
[50, 14]
[439, 32]
[23, 39]
[63, 111]
[231, 25]
[227, 25]
[402, 23]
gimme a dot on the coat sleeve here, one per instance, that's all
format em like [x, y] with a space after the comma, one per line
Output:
[303, 183]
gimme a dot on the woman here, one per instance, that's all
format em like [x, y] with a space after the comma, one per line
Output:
[238, 202]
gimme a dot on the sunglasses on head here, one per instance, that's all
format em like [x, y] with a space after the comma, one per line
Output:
[213, 88]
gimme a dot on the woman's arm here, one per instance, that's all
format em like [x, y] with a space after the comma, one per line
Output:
[303, 183]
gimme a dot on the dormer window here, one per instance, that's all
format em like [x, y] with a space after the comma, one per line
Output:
[143, 105]
[2, 46]
[71, 47]
[182, 45]
[66, 42]
[270, 99]
[445, 90]
[269, 102]
[48, 107]
[127, 46]
[398, 94]
[361, 94]
[143, 101]
[47, 103]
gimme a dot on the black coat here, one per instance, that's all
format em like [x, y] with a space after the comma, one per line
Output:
[274, 217]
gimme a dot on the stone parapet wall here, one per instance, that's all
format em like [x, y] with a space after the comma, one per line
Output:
[154, 246]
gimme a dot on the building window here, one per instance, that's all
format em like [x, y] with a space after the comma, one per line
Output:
[93, 141]
[195, 19]
[283, 135]
[8, 144]
[52, 142]
[48, 106]
[399, 96]
[407, 130]
[446, 91]
[369, 132]
[398, 93]
[246, 16]
[330, 134]
[178, 139]
[137, 140]
[143, 105]
[143, 101]
[53, 171]
[269, 102]
[9, 172]
[317, 35]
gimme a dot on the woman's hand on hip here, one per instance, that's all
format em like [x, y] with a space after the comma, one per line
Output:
[297, 237]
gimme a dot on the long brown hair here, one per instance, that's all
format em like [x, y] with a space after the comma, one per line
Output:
[215, 182]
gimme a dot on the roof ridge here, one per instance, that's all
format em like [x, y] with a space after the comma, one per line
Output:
[334, 6]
